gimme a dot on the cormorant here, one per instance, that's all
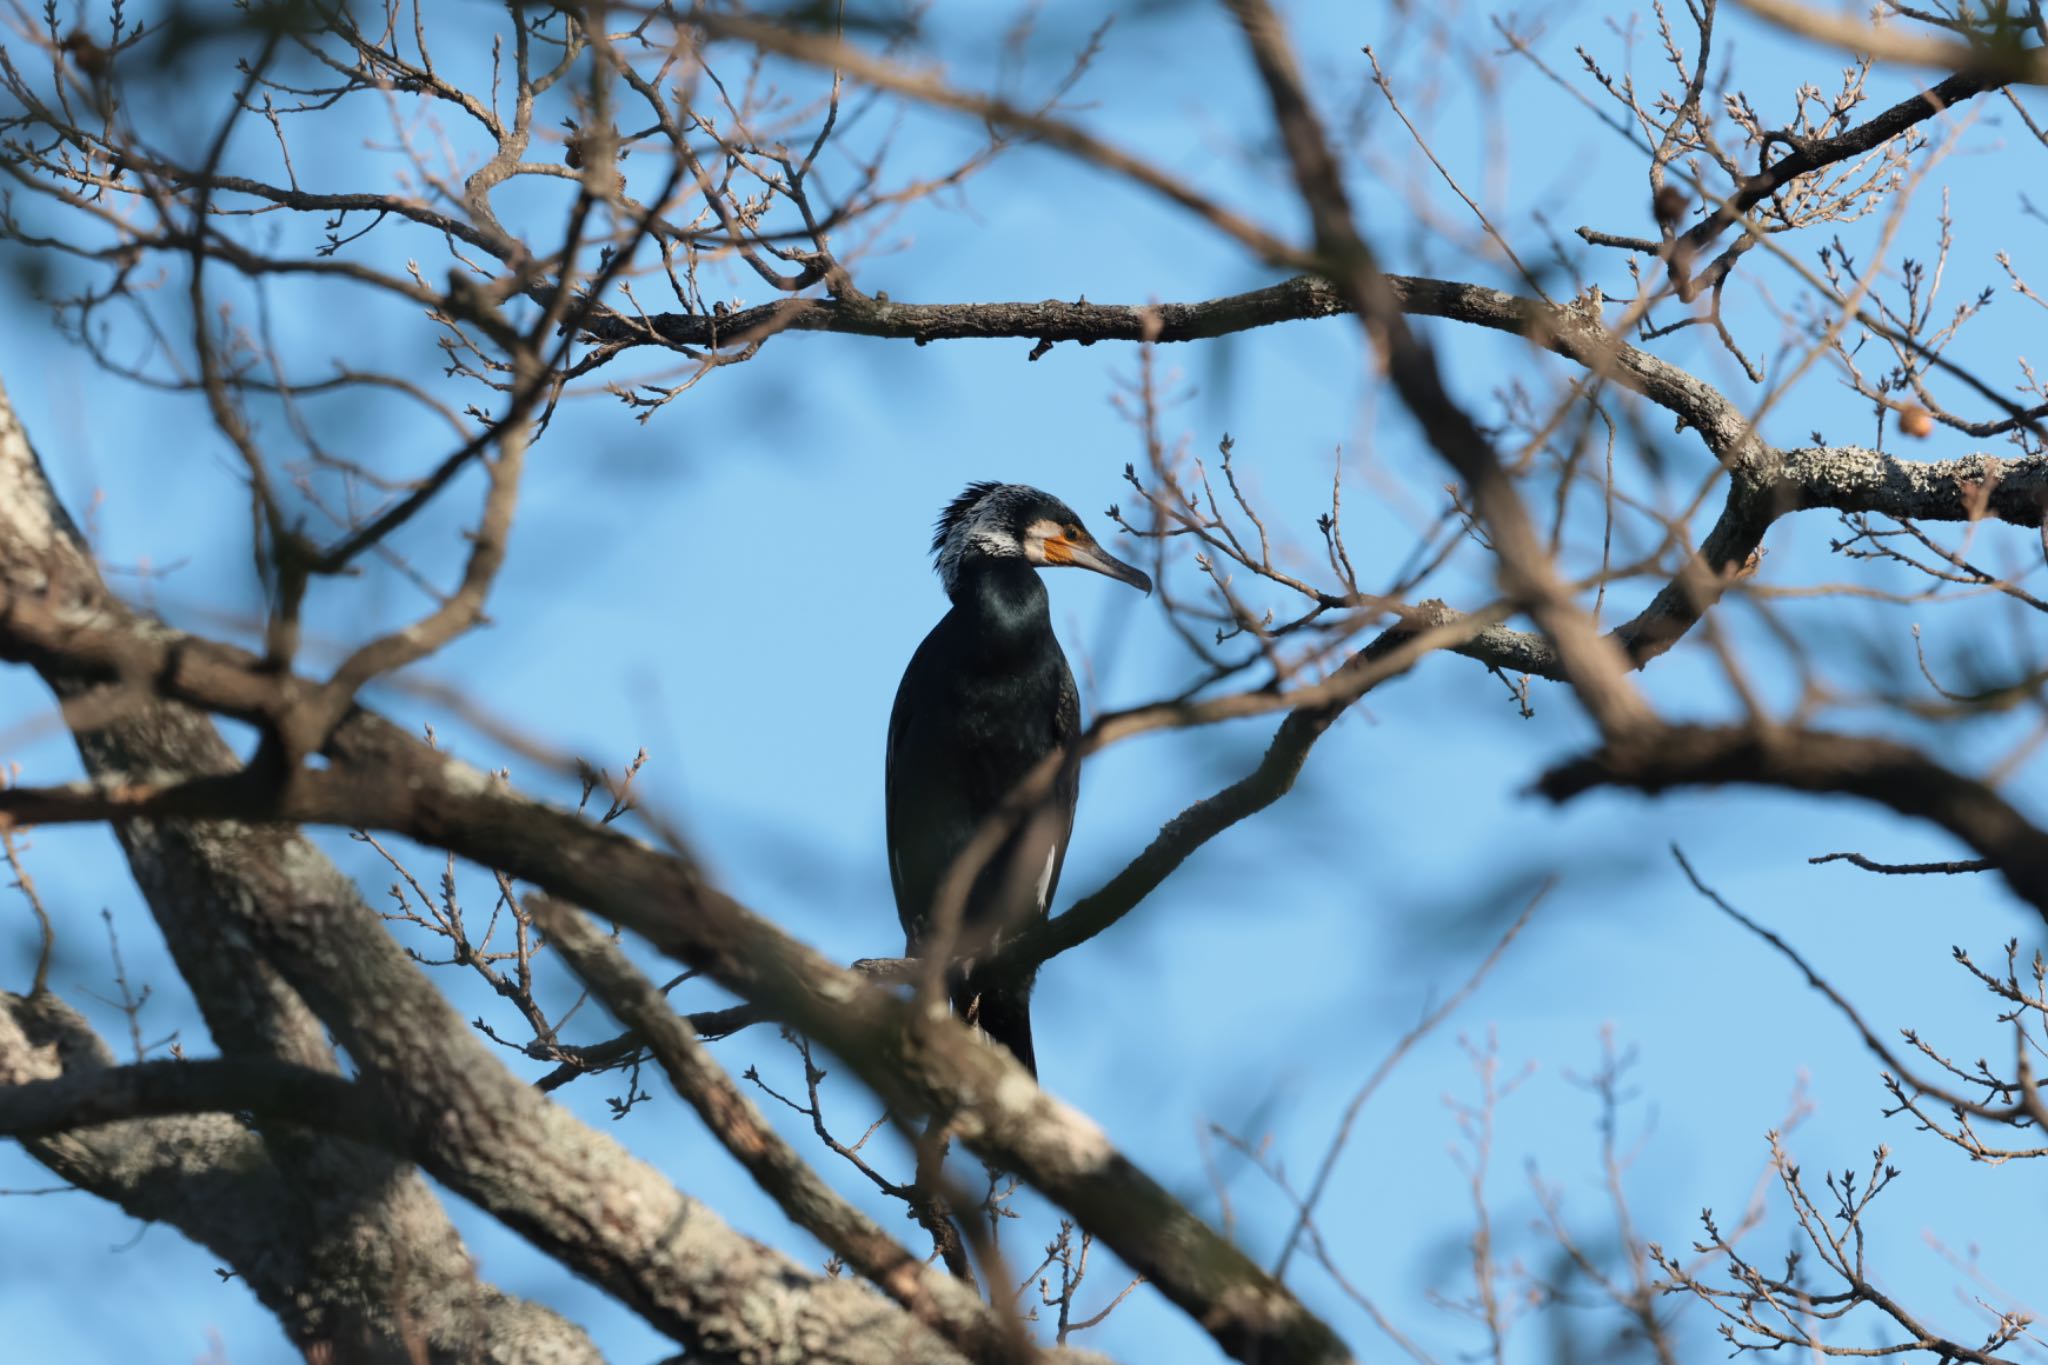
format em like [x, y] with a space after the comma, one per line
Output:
[986, 697]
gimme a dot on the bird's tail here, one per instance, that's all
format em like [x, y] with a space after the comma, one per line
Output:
[1002, 1011]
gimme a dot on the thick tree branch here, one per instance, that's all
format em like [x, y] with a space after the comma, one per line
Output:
[1875, 770]
[296, 1094]
[1571, 334]
[1772, 485]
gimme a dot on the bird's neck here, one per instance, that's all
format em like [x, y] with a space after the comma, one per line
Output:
[1003, 602]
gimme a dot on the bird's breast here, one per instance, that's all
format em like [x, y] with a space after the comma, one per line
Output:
[1007, 716]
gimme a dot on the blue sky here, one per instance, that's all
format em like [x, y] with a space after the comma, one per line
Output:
[736, 584]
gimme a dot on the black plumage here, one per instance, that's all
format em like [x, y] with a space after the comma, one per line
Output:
[986, 697]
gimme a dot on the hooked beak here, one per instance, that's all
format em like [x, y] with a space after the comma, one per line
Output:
[1089, 555]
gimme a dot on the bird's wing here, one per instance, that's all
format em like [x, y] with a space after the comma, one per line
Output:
[910, 900]
[1067, 727]
[930, 817]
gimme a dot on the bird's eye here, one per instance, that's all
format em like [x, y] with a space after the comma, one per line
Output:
[1073, 531]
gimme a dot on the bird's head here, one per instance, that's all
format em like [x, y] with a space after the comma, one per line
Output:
[1015, 521]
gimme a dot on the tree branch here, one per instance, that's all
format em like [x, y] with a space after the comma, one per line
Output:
[1302, 298]
[300, 1095]
[1876, 770]
[1772, 485]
